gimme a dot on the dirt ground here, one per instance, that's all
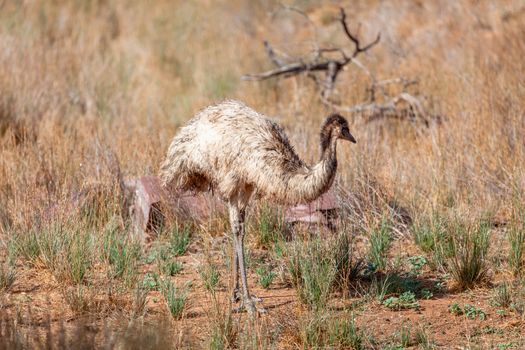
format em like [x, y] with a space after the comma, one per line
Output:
[37, 300]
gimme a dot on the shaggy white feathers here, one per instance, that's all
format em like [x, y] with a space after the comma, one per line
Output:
[230, 148]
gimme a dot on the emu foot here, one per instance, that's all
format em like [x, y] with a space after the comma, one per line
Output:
[250, 305]
[236, 296]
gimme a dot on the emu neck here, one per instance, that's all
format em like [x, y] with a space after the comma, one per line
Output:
[307, 186]
[328, 148]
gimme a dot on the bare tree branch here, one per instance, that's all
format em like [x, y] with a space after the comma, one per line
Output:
[353, 38]
[324, 69]
[271, 54]
[319, 63]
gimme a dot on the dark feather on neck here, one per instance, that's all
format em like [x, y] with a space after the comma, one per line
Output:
[333, 121]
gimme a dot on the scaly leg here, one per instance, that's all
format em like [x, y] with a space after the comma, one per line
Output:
[236, 297]
[248, 301]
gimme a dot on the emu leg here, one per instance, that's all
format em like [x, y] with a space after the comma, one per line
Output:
[234, 224]
[236, 297]
[238, 236]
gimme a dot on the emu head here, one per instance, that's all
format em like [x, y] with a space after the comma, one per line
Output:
[335, 126]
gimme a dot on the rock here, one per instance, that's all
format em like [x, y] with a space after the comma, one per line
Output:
[148, 205]
[322, 211]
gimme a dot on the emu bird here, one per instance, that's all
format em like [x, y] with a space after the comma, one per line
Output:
[241, 155]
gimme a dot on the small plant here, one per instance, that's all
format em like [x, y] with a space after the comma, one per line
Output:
[416, 264]
[468, 263]
[319, 331]
[347, 266]
[426, 294]
[455, 309]
[432, 237]
[224, 333]
[406, 300]
[394, 283]
[210, 276]
[179, 240]
[379, 243]
[43, 247]
[472, 312]
[64, 250]
[266, 276]
[171, 268]
[312, 330]
[175, 299]
[27, 246]
[166, 265]
[468, 310]
[380, 287]
[140, 295]
[150, 281]
[160, 254]
[422, 339]
[439, 286]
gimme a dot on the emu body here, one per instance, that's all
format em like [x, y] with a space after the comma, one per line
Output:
[241, 155]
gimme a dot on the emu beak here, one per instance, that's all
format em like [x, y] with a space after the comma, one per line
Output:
[347, 136]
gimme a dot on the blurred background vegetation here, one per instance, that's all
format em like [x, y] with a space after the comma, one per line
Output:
[93, 89]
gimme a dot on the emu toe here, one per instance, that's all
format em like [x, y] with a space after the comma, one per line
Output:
[251, 306]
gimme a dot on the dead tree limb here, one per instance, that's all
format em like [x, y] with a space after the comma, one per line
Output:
[320, 63]
[325, 65]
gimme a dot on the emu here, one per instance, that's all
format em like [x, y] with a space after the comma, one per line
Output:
[241, 155]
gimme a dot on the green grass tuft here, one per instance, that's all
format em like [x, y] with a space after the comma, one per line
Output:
[344, 334]
[266, 276]
[210, 275]
[179, 240]
[122, 254]
[313, 272]
[269, 227]
[469, 244]
[380, 239]
[176, 300]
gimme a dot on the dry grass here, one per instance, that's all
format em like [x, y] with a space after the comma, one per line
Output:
[90, 91]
